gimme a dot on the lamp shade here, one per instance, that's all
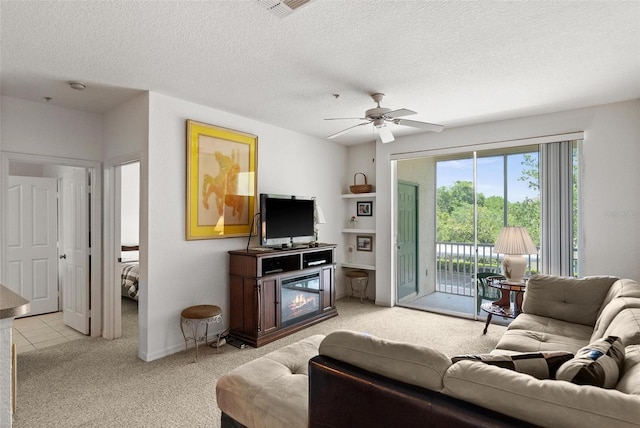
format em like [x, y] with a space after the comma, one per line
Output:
[514, 240]
[319, 214]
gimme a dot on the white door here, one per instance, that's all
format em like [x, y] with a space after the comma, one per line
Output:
[75, 250]
[32, 266]
[117, 242]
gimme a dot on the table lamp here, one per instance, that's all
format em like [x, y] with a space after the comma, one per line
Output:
[318, 217]
[514, 242]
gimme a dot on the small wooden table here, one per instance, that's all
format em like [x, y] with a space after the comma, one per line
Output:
[502, 306]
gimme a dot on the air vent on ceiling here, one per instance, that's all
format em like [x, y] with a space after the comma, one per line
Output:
[282, 8]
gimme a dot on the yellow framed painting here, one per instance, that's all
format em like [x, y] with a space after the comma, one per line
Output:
[221, 181]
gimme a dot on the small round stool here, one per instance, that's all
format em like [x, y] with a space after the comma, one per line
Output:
[195, 316]
[358, 279]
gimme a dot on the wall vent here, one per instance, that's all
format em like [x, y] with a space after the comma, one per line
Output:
[282, 8]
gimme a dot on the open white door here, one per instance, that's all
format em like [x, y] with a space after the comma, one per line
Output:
[117, 243]
[75, 252]
[32, 251]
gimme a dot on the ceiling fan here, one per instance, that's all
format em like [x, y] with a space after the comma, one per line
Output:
[379, 116]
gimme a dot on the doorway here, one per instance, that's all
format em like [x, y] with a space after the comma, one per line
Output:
[51, 236]
[122, 291]
[407, 282]
[470, 197]
[127, 234]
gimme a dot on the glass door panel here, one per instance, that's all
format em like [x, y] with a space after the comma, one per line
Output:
[462, 203]
[445, 205]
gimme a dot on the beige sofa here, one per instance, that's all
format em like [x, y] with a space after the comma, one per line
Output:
[563, 314]
[559, 314]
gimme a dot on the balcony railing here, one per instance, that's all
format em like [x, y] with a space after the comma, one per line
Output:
[455, 266]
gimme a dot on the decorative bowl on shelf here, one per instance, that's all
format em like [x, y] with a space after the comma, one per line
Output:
[360, 188]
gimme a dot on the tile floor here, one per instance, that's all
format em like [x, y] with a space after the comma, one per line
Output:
[451, 304]
[31, 333]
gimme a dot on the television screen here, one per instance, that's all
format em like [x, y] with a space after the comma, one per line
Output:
[286, 217]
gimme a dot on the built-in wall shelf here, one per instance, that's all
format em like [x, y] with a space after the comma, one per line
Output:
[358, 266]
[358, 195]
[366, 226]
[368, 231]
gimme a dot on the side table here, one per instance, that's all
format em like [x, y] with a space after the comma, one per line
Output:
[502, 306]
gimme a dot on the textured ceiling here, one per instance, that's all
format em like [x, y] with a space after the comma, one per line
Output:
[454, 62]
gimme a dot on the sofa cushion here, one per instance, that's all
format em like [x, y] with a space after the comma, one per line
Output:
[534, 333]
[626, 325]
[621, 317]
[576, 300]
[598, 364]
[541, 365]
[406, 362]
[629, 382]
[253, 394]
[551, 326]
[621, 288]
[542, 402]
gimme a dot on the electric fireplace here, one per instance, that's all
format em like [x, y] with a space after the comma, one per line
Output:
[274, 293]
[300, 298]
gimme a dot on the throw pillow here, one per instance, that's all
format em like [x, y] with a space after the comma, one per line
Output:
[597, 364]
[541, 365]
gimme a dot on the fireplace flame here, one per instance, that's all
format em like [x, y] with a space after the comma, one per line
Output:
[301, 304]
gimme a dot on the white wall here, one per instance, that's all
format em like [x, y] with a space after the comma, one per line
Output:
[130, 204]
[127, 129]
[609, 176]
[361, 158]
[126, 139]
[183, 273]
[41, 129]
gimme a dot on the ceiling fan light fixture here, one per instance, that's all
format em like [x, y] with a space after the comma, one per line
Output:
[379, 123]
[379, 116]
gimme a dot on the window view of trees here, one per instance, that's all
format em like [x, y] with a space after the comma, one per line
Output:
[455, 205]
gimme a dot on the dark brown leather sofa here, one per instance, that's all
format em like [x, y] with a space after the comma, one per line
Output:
[343, 395]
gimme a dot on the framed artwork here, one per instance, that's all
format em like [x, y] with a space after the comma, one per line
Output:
[364, 243]
[221, 181]
[364, 208]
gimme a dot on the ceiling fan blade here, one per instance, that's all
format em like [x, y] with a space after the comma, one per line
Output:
[385, 134]
[399, 113]
[345, 130]
[346, 118]
[416, 124]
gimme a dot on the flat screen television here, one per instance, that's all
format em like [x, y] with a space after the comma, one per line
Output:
[285, 219]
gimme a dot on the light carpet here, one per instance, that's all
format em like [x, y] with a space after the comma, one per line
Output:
[95, 382]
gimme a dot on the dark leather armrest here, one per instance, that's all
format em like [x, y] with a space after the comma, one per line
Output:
[343, 395]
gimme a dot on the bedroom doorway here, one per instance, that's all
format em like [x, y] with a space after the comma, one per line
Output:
[49, 203]
[126, 238]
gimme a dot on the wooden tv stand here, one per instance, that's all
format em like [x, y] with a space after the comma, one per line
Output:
[274, 293]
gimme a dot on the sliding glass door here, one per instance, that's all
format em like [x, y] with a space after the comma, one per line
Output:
[462, 201]
[455, 228]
